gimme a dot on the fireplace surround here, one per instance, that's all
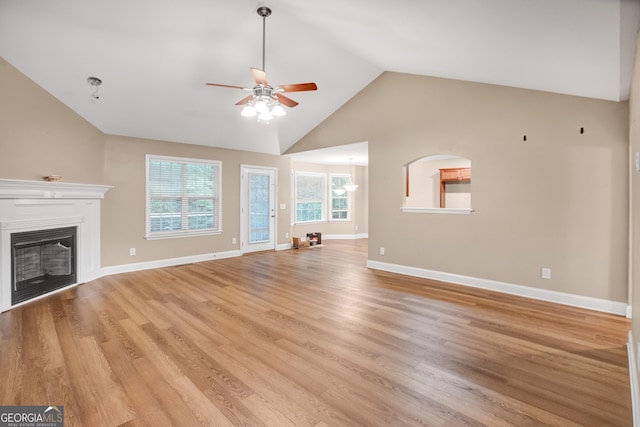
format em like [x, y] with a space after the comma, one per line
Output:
[35, 206]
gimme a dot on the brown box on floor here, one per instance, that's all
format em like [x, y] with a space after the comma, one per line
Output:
[299, 242]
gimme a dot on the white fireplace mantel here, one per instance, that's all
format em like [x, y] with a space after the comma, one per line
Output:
[39, 205]
[20, 189]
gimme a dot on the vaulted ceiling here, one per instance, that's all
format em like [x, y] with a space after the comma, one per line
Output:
[154, 57]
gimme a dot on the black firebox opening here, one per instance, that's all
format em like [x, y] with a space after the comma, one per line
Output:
[42, 261]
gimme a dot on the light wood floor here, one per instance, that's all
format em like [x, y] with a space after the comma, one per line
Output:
[310, 338]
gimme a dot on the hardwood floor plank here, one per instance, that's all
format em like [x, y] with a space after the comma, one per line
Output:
[12, 362]
[270, 416]
[251, 373]
[144, 404]
[311, 338]
[268, 352]
[371, 390]
[214, 382]
[169, 401]
[204, 410]
[295, 399]
[34, 358]
[150, 350]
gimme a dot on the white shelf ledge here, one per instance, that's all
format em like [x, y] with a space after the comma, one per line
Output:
[21, 189]
[450, 211]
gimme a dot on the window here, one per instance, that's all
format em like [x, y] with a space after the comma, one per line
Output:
[339, 198]
[183, 197]
[311, 190]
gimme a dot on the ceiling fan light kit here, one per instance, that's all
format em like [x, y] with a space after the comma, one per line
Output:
[266, 101]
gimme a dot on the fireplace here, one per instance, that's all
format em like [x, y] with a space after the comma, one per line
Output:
[42, 261]
[49, 238]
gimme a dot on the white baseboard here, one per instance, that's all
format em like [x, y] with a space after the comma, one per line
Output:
[345, 236]
[633, 381]
[126, 268]
[596, 304]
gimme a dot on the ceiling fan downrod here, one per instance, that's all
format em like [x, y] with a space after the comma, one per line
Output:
[265, 100]
[264, 12]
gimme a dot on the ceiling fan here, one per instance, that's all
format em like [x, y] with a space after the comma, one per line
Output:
[265, 100]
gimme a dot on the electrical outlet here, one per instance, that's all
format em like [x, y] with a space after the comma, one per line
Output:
[234, 241]
[356, 228]
[381, 250]
[132, 251]
[545, 273]
[286, 235]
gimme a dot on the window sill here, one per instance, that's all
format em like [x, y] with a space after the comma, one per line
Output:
[174, 235]
[450, 211]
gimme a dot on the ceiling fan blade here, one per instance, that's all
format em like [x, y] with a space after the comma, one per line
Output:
[244, 100]
[259, 76]
[298, 87]
[230, 86]
[286, 101]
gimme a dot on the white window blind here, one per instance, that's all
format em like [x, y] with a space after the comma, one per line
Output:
[183, 196]
[310, 197]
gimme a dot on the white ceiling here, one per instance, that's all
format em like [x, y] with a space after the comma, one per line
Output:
[155, 56]
[356, 154]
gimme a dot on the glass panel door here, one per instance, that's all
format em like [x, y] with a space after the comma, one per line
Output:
[258, 213]
[260, 209]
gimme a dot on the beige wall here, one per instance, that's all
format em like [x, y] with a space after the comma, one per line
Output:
[359, 208]
[41, 136]
[559, 200]
[123, 225]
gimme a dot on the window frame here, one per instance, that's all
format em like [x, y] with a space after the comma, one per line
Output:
[217, 199]
[346, 195]
[323, 201]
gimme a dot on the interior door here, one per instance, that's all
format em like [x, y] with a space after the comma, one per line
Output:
[258, 195]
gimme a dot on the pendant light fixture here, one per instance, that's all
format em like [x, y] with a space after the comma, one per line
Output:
[350, 187]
